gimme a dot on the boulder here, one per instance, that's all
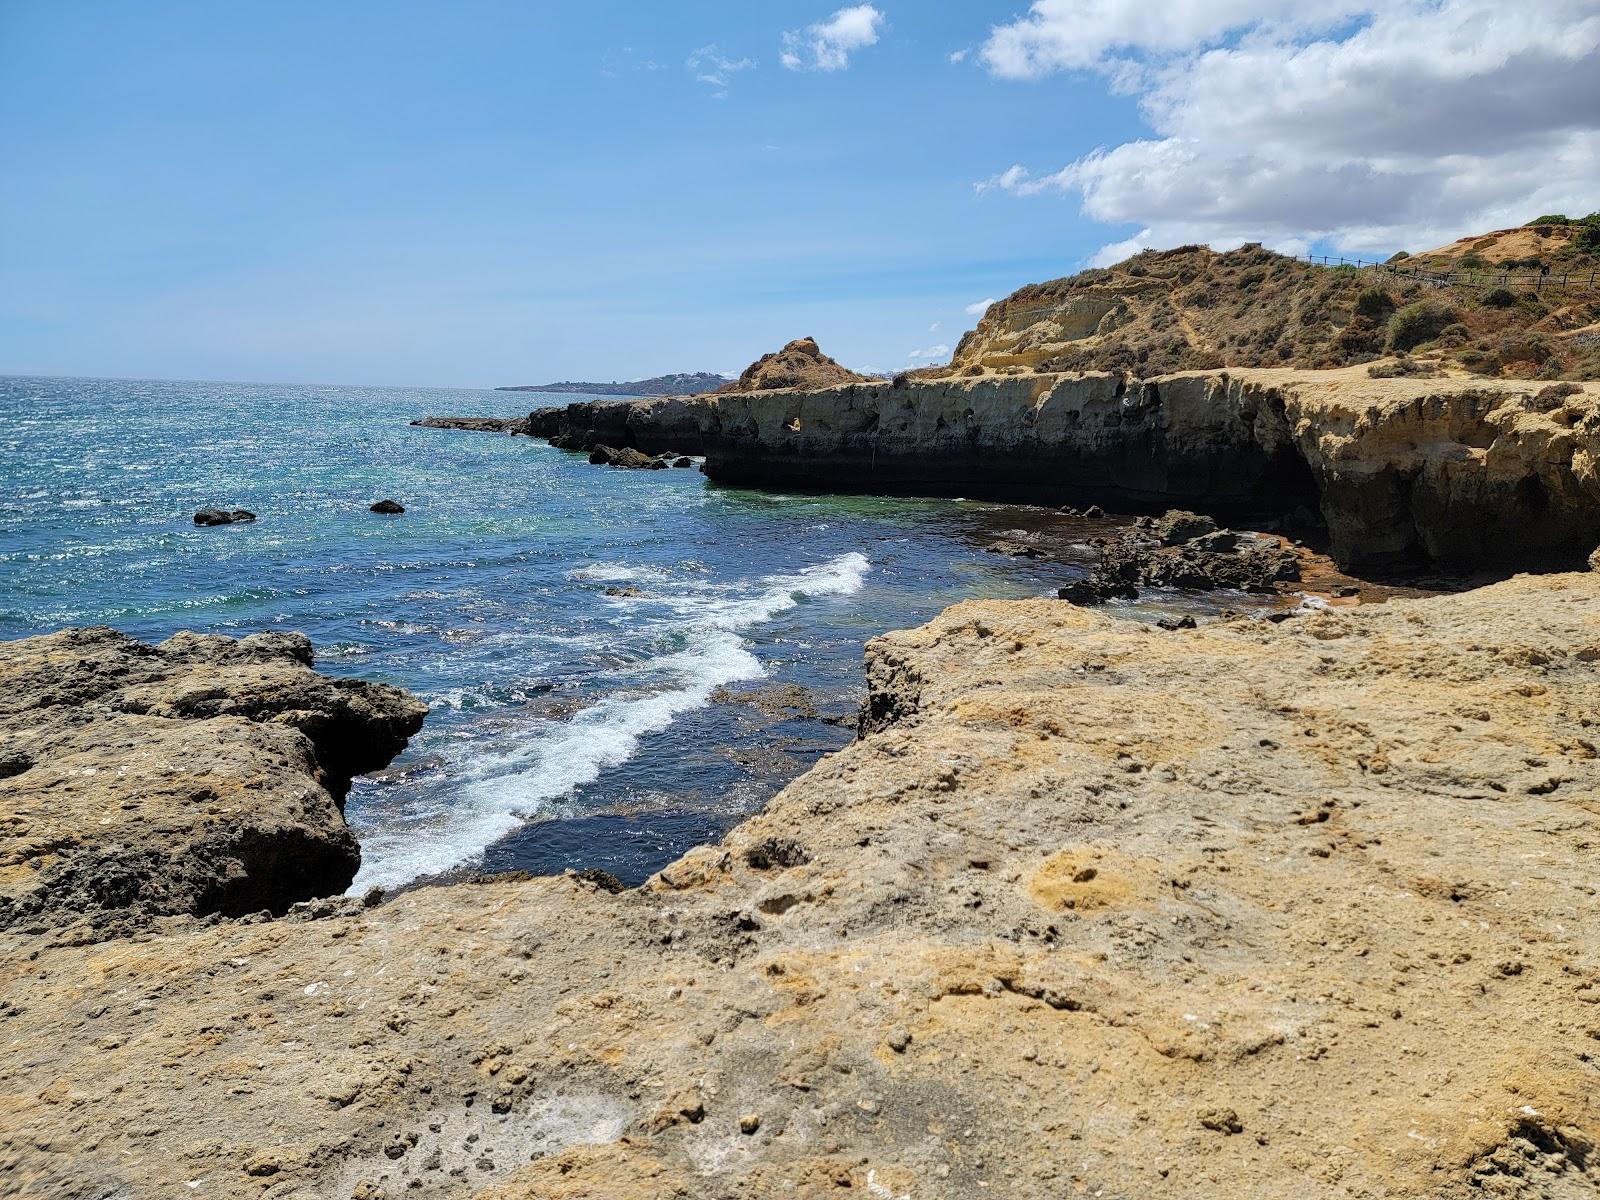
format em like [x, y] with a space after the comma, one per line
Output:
[201, 775]
[683, 460]
[1178, 526]
[222, 516]
[611, 456]
[388, 507]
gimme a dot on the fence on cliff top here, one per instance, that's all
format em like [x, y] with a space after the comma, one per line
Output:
[1536, 280]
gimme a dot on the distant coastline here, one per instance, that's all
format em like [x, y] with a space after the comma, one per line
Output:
[683, 384]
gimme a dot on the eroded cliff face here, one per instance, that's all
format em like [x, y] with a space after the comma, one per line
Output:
[1463, 473]
[202, 775]
[1250, 910]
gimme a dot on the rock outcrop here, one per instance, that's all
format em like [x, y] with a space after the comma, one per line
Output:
[202, 775]
[1207, 559]
[477, 424]
[800, 364]
[1092, 908]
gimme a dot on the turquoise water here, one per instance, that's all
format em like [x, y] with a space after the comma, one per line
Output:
[568, 727]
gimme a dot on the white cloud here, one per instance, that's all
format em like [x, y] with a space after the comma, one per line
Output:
[939, 351]
[979, 308]
[959, 56]
[934, 328]
[711, 67]
[827, 45]
[1365, 124]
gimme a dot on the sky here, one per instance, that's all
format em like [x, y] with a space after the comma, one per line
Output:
[490, 192]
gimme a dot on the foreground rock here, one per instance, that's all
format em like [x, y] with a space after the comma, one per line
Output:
[203, 775]
[1247, 910]
[392, 508]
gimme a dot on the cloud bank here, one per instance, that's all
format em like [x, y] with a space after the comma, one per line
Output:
[1363, 124]
[827, 45]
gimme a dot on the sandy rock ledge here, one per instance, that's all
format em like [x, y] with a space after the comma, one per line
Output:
[1251, 910]
[204, 775]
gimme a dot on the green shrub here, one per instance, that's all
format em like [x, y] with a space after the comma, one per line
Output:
[1550, 219]
[1474, 261]
[1498, 298]
[1419, 322]
[1374, 304]
[1397, 256]
[1454, 335]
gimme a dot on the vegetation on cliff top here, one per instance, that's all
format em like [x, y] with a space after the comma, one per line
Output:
[1194, 309]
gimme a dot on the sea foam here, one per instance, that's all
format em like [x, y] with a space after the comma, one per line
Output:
[498, 791]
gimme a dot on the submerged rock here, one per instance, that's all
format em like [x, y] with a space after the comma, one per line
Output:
[1014, 549]
[201, 775]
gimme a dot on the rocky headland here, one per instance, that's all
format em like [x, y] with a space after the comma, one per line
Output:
[1455, 472]
[1090, 907]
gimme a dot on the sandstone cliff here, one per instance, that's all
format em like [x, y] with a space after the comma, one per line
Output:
[203, 775]
[1465, 473]
[1093, 909]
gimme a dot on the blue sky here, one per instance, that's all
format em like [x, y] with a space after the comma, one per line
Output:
[484, 192]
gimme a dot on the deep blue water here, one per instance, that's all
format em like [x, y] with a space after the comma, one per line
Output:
[568, 727]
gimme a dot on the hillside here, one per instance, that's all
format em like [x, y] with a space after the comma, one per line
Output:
[683, 384]
[1194, 309]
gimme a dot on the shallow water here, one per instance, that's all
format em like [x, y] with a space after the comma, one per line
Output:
[568, 727]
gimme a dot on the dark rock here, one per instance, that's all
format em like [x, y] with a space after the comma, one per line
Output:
[1221, 542]
[1094, 512]
[683, 460]
[388, 507]
[1014, 549]
[627, 456]
[605, 881]
[1134, 560]
[1177, 526]
[222, 516]
[1088, 592]
[511, 425]
[1347, 589]
[627, 591]
[1173, 623]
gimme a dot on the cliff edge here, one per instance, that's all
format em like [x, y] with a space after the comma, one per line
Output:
[1093, 908]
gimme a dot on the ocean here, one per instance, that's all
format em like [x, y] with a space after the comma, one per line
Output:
[619, 664]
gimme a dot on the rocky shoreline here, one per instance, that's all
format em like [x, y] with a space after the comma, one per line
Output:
[1248, 909]
[1457, 473]
[200, 777]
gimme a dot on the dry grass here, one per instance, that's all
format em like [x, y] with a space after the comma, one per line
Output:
[1193, 309]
